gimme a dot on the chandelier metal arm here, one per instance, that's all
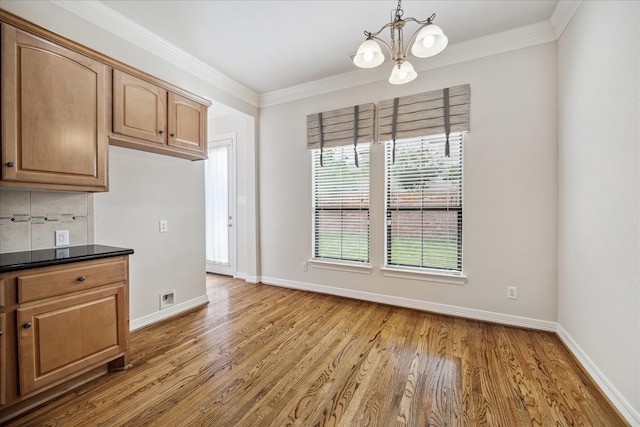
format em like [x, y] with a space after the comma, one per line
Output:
[374, 37]
[392, 54]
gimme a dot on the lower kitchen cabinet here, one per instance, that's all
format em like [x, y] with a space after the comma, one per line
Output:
[62, 325]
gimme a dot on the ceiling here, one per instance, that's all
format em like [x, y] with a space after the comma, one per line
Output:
[269, 46]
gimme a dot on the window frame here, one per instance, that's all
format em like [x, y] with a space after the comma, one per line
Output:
[444, 275]
[324, 261]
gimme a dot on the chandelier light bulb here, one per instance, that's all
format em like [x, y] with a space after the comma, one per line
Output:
[402, 72]
[428, 41]
[369, 55]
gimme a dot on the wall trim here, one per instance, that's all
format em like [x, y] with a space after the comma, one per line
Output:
[616, 398]
[562, 15]
[172, 311]
[450, 310]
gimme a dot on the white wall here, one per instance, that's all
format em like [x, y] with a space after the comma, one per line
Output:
[145, 188]
[510, 192]
[599, 136]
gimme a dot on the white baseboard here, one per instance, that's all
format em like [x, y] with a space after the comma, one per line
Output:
[167, 312]
[625, 409]
[451, 310]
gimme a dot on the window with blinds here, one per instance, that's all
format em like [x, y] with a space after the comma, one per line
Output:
[341, 203]
[424, 203]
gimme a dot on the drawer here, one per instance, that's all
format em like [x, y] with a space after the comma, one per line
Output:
[72, 278]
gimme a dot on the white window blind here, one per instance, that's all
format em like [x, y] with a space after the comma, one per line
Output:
[341, 203]
[424, 203]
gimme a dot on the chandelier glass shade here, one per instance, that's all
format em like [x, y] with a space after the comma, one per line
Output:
[428, 40]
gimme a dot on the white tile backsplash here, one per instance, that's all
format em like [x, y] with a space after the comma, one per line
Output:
[30, 218]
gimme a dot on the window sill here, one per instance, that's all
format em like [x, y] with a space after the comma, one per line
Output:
[431, 276]
[341, 266]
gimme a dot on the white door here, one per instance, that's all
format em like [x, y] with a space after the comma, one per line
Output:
[220, 202]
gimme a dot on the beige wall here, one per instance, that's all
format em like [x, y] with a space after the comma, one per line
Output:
[599, 189]
[510, 193]
[145, 188]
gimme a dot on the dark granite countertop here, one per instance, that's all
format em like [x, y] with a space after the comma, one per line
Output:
[13, 261]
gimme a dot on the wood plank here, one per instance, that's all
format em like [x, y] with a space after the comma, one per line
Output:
[260, 355]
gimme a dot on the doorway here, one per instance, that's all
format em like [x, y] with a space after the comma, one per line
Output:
[220, 206]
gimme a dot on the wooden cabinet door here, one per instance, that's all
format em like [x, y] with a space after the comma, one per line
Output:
[65, 337]
[187, 125]
[139, 108]
[3, 359]
[54, 114]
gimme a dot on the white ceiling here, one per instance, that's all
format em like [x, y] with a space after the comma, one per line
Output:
[269, 46]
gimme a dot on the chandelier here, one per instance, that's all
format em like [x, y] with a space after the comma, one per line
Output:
[429, 41]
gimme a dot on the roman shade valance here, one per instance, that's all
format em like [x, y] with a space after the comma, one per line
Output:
[429, 113]
[341, 127]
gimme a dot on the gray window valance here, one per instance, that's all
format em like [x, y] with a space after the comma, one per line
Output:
[424, 114]
[350, 125]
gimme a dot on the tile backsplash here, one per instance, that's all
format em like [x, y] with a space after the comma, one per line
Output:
[30, 218]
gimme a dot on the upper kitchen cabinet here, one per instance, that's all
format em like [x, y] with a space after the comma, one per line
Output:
[151, 117]
[55, 115]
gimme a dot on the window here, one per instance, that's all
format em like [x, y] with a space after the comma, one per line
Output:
[341, 203]
[424, 203]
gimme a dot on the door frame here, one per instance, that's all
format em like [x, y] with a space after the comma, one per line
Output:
[230, 269]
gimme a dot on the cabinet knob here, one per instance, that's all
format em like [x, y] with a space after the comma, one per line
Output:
[27, 325]
[11, 164]
[173, 135]
[161, 132]
[1, 332]
[81, 279]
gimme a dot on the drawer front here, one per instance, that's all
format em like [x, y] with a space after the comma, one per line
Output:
[76, 277]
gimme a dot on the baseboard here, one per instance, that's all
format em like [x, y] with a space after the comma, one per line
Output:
[621, 404]
[450, 310]
[174, 310]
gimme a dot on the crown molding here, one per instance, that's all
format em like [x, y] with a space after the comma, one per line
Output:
[106, 18]
[117, 24]
[529, 35]
[562, 14]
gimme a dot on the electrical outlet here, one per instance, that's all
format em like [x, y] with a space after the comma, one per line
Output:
[164, 226]
[512, 292]
[305, 266]
[62, 237]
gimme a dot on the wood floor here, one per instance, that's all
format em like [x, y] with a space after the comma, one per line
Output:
[260, 355]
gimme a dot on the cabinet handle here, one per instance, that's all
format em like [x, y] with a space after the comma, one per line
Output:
[27, 325]
[81, 279]
[161, 132]
[173, 135]
[11, 164]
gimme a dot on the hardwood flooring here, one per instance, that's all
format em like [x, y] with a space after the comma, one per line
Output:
[260, 355]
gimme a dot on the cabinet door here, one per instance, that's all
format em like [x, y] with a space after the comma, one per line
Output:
[3, 359]
[139, 108]
[187, 125]
[55, 114]
[66, 337]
